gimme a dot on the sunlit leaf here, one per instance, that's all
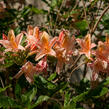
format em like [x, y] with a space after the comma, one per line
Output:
[41, 99]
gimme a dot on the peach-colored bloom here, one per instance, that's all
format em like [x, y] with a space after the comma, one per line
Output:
[64, 49]
[99, 66]
[42, 65]
[29, 70]
[32, 37]
[86, 46]
[102, 52]
[45, 46]
[107, 39]
[12, 43]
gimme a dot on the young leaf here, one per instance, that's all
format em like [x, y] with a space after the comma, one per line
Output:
[41, 99]
[102, 92]
[33, 93]
[3, 89]
[53, 3]
[52, 76]
[82, 25]
[67, 99]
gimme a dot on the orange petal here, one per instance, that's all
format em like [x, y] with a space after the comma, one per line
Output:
[5, 43]
[30, 30]
[93, 45]
[11, 37]
[53, 41]
[100, 46]
[18, 38]
[20, 73]
[88, 41]
[66, 41]
[40, 55]
[36, 33]
[45, 39]
[61, 35]
[107, 38]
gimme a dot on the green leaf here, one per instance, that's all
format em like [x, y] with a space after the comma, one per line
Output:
[8, 102]
[26, 11]
[28, 97]
[38, 11]
[17, 30]
[3, 89]
[32, 94]
[52, 76]
[17, 90]
[93, 2]
[41, 99]
[24, 98]
[59, 2]
[102, 92]
[82, 25]
[73, 12]
[80, 97]
[47, 87]
[67, 99]
[104, 21]
[105, 82]
[54, 3]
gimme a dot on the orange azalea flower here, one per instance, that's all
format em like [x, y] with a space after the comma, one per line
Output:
[61, 60]
[99, 66]
[86, 46]
[32, 37]
[46, 46]
[65, 42]
[42, 65]
[29, 70]
[12, 43]
[102, 51]
[107, 39]
[107, 42]
[64, 49]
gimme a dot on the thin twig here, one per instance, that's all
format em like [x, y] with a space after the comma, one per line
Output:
[85, 13]
[84, 7]
[2, 82]
[58, 15]
[99, 8]
[95, 26]
[75, 61]
[85, 71]
[76, 4]
[3, 85]
[77, 68]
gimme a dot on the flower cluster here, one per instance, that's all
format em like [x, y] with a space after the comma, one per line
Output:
[62, 48]
[101, 62]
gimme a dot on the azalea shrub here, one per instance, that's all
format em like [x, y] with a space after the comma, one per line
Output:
[38, 63]
[36, 71]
